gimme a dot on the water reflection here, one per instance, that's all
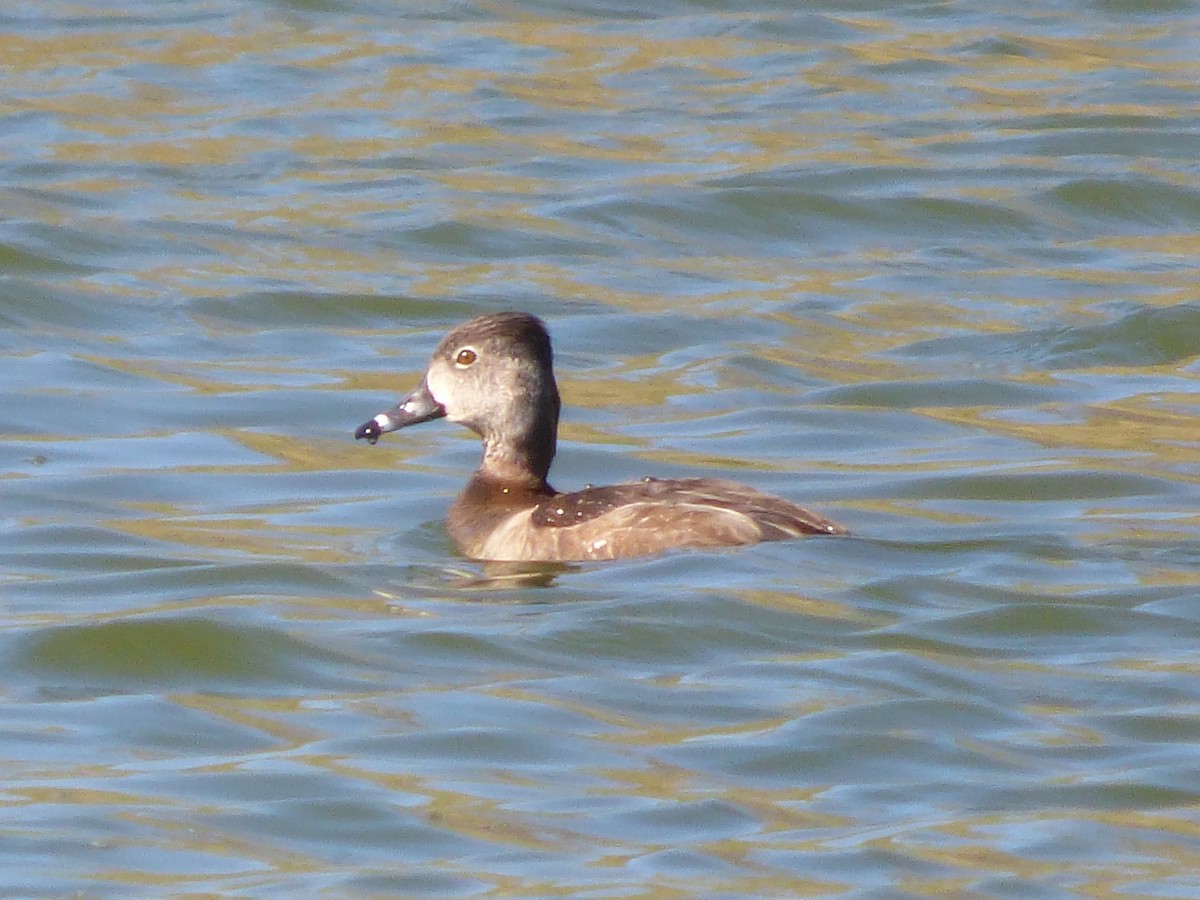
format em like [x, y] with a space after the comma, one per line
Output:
[930, 267]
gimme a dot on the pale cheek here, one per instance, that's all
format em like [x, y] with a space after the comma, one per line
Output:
[453, 392]
[438, 384]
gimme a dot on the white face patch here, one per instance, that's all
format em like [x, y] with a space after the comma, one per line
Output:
[435, 381]
[384, 422]
[444, 387]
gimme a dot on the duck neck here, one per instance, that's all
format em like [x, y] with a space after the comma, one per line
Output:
[521, 456]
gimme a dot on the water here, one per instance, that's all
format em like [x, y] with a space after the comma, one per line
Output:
[928, 268]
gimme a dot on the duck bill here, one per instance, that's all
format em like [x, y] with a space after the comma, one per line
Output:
[417, 407]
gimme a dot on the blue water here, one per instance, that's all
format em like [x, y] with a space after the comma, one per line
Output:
[928, 269]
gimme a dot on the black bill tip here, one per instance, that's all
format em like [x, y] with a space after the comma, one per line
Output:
[369, 430]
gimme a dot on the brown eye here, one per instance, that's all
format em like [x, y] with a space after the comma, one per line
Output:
[465, 357]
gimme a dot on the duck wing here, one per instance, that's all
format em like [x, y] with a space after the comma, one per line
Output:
[655, 514]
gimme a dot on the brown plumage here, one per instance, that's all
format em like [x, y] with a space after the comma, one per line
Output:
[495, 374]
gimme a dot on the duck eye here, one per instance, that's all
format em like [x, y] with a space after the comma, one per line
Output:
[465, 357]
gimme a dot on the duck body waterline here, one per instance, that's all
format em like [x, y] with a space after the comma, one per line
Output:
[495, 374]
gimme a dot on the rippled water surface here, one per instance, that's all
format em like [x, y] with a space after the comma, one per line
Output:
[929, 268]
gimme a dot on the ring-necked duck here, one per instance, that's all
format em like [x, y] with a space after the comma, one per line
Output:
[495, 375]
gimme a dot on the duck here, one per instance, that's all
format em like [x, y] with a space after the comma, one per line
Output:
[495, 375]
